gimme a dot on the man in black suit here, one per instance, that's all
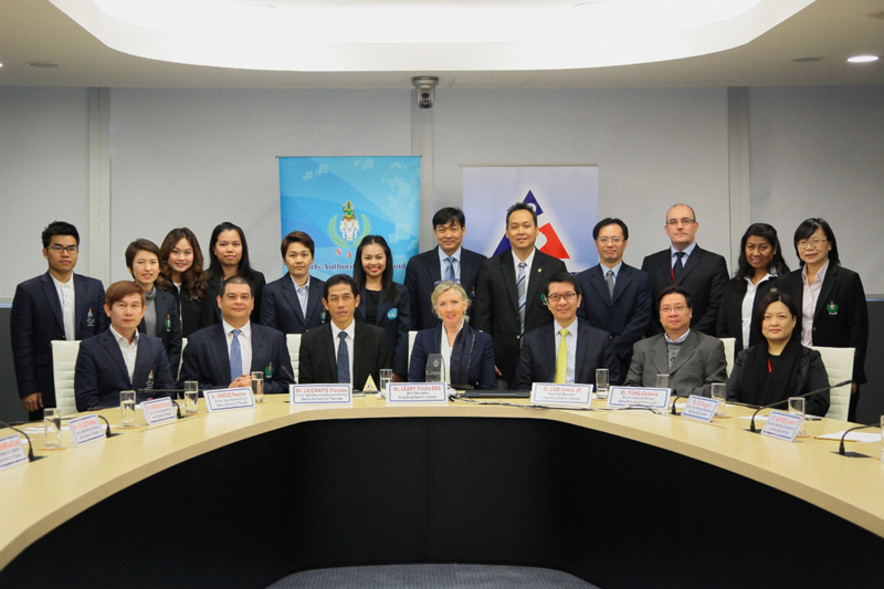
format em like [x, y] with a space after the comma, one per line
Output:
[224, 355]
[570, 350]
[700, 272]
[121, 358]
[293, 304]
[53, 306]
[508, 294]
[343, 350]
[446, 261]
[617, 297]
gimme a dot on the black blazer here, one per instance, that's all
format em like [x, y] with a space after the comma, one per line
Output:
[422, 274]
[211, 312]
[626, 317]
[317, 362]
[168, 328]
[429, 341]
[281, 309]
[395, 320]
[730, 312]
[497, 305]
[101, 372]
[704, 276]
[191, 311]
[841, 318]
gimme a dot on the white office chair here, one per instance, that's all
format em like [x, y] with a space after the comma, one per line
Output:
[64, 363]
[293, 343]
[839, 366]
[730, 344]
[181, 359]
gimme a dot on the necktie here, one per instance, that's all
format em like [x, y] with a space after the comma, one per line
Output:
[609, 278]
[343, 359]
[562, 358]
[679, 266]
[235, 356]
[522, 290]
[449, 269]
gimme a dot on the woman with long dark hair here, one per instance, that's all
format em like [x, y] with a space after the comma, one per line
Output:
[230, 257]
[181, 268]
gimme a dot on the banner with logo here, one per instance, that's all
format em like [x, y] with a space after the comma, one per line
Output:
[566, 200]
[340, 200]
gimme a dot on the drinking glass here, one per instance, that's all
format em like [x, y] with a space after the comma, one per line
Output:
[127, 408]
[258, 386]
[52, 427]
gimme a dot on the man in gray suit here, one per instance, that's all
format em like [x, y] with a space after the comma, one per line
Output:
[692, 359]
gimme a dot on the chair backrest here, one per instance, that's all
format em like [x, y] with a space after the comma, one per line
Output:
[64, 364]
[293, 343]
[839, 366]
[730, 344]
[411, 335]
[181, 359]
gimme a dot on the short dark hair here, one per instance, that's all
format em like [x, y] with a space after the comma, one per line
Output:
[807, 228]
[340, 279]
[675, 289]
[521, 206]
[119, 290]
[610, 221]
[141, 245]
[564, 277]
[236, 279]
[59, 228]
[767, 300]
[297, 237]
[447, 215]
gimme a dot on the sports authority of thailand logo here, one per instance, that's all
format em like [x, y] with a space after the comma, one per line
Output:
[348, 232]
[547, 241]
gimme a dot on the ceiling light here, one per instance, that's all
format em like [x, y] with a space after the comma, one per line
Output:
[862, 59]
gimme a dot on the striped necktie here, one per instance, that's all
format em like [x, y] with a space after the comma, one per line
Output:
[522, 290]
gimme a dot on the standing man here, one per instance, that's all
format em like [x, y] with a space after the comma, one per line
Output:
[58, 305]
[446, 261]
[508, 294]
[618, 297]
[700, 272]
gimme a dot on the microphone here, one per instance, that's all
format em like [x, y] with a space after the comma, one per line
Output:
[675, 401]
[31, 457]
[108, 433]
[853, 454]
[786, 400]
[288, 374]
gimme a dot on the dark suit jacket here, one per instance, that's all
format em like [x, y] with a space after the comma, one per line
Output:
[423, 273]
[429, 341]
[537, 361]
[36, 319]
[317, 362]
[497, 305]
[396, 328]
[841, 319]
[101, 372]
[281, 309]
[704, 276]
[626, 317]
[700, 362]
[206, 359]
[730, 312]
[168, 327]
[211, 312]
[192, 314]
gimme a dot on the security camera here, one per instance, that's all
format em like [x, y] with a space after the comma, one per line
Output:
[425, 86]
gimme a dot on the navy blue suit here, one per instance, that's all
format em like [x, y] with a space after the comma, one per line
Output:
[207, 360]
[481, 368]
[36, 320]
[395, 321]
[168, 327]
[422, 274]
[317, 362]
[101, 372]
[537, 360]
[625, 317]
[281, 309]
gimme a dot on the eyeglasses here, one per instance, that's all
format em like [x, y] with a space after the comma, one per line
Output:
[71, 249]
[556, 297]
[816, 243]
[685, 221]
[607, 240]
[676, 308]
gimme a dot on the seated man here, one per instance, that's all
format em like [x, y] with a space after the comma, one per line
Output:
[343, 351]
[570, 349]
[692, 359]
[224, 355]
[121, 358]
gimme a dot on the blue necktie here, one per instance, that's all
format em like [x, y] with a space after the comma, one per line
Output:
[679, 266]
[522, 290]
[449, 270]
[235, 356]
[343, 359]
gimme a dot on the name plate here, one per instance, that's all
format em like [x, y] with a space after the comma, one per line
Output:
[701, 408]
[159, 410]
[12, 452]
[87, 429]
[782, 425]
[634, 396]
[548, 393]
[312, 394]
[417, 392]
[224, 399]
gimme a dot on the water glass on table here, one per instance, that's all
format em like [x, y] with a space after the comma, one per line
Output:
[127, 408]
[52, 427]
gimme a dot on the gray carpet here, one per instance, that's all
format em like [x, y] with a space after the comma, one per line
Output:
[436, 576]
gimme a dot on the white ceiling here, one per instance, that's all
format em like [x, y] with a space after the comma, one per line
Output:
[545, 43]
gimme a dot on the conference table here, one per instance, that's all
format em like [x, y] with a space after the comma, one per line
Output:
[620, 498]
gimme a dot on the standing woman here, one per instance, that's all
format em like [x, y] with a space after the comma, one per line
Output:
[383, 302]
[760, 263]
[293, 304]
[830, 299]
[230, 257]
[181, 267]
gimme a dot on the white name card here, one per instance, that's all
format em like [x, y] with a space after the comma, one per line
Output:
[12, 452]
[548, 393]
[224, 399]
[314, 394]
[87, 429]
[782, 425]
[417, 392]
[159, 410]
[701, 408]
[634, 396]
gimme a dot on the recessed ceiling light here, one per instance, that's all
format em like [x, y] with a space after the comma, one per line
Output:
[807, 59]
[43, 64]
[862, 58]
